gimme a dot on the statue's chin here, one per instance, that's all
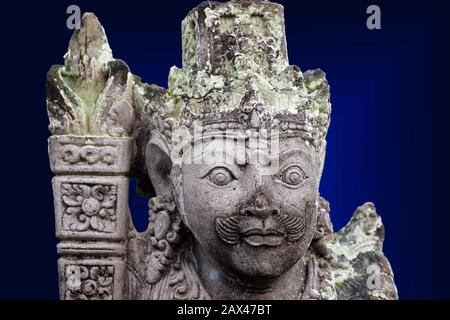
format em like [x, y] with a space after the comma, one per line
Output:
[258, 262]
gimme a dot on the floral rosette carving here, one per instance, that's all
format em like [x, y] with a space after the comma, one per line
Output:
[89, 207]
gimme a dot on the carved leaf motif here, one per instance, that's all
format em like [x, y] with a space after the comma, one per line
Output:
[92, 92]
[72, 202]
[63, 105]
[162, 224]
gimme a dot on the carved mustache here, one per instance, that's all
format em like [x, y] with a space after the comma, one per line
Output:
[292, 227]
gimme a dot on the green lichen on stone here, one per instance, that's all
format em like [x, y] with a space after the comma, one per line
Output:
[92, 93]
[356, 255]
[226, 45]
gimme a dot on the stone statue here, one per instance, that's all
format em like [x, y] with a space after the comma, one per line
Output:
[234, 150]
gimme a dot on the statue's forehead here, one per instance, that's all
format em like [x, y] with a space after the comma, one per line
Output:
[230, 149]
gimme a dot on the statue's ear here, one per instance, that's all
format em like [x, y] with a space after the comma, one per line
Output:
[159, 164]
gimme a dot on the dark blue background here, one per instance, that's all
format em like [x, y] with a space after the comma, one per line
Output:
[388, 141]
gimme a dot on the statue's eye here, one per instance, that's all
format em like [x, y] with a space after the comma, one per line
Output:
[220, 176]
[293, 176]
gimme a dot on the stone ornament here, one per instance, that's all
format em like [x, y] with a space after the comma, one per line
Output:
[234, 150]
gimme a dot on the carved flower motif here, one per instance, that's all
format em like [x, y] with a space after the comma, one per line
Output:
[89, 207]
[94, 283]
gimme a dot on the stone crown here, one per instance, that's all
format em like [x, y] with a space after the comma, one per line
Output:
[217, 33]
[236, 74]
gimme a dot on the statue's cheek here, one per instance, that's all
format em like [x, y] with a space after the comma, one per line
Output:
[295, 200]
[204, 205]
[215, 200]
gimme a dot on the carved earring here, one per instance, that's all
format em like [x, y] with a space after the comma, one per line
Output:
[164, 236]
[324, 226]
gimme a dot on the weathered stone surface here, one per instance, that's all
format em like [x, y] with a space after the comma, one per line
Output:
[91, 279]
[354, 259]
[90, 207]
[81, 154]
[90, 102]
[92, 93]
[234, 149]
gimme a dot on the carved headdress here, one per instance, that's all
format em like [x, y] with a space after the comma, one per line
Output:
[236, 77]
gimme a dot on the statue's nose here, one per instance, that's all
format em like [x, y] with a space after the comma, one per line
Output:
[259, 197]
[260, 208]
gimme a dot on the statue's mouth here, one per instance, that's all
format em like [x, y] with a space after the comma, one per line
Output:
[258, 237]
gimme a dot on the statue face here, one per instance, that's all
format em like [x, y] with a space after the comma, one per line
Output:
[251, 223]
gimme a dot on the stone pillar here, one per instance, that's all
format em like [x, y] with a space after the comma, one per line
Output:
[91, 111]
[91, 199]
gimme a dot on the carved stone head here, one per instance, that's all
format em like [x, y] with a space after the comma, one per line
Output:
[240, 143]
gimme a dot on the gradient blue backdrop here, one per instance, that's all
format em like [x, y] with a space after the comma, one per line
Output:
[388, 140]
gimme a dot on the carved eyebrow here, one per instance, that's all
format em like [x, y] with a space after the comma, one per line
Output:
[289, 153]
[221, 156]
[200, 153]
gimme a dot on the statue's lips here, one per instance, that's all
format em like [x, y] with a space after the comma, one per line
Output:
[258, 237]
